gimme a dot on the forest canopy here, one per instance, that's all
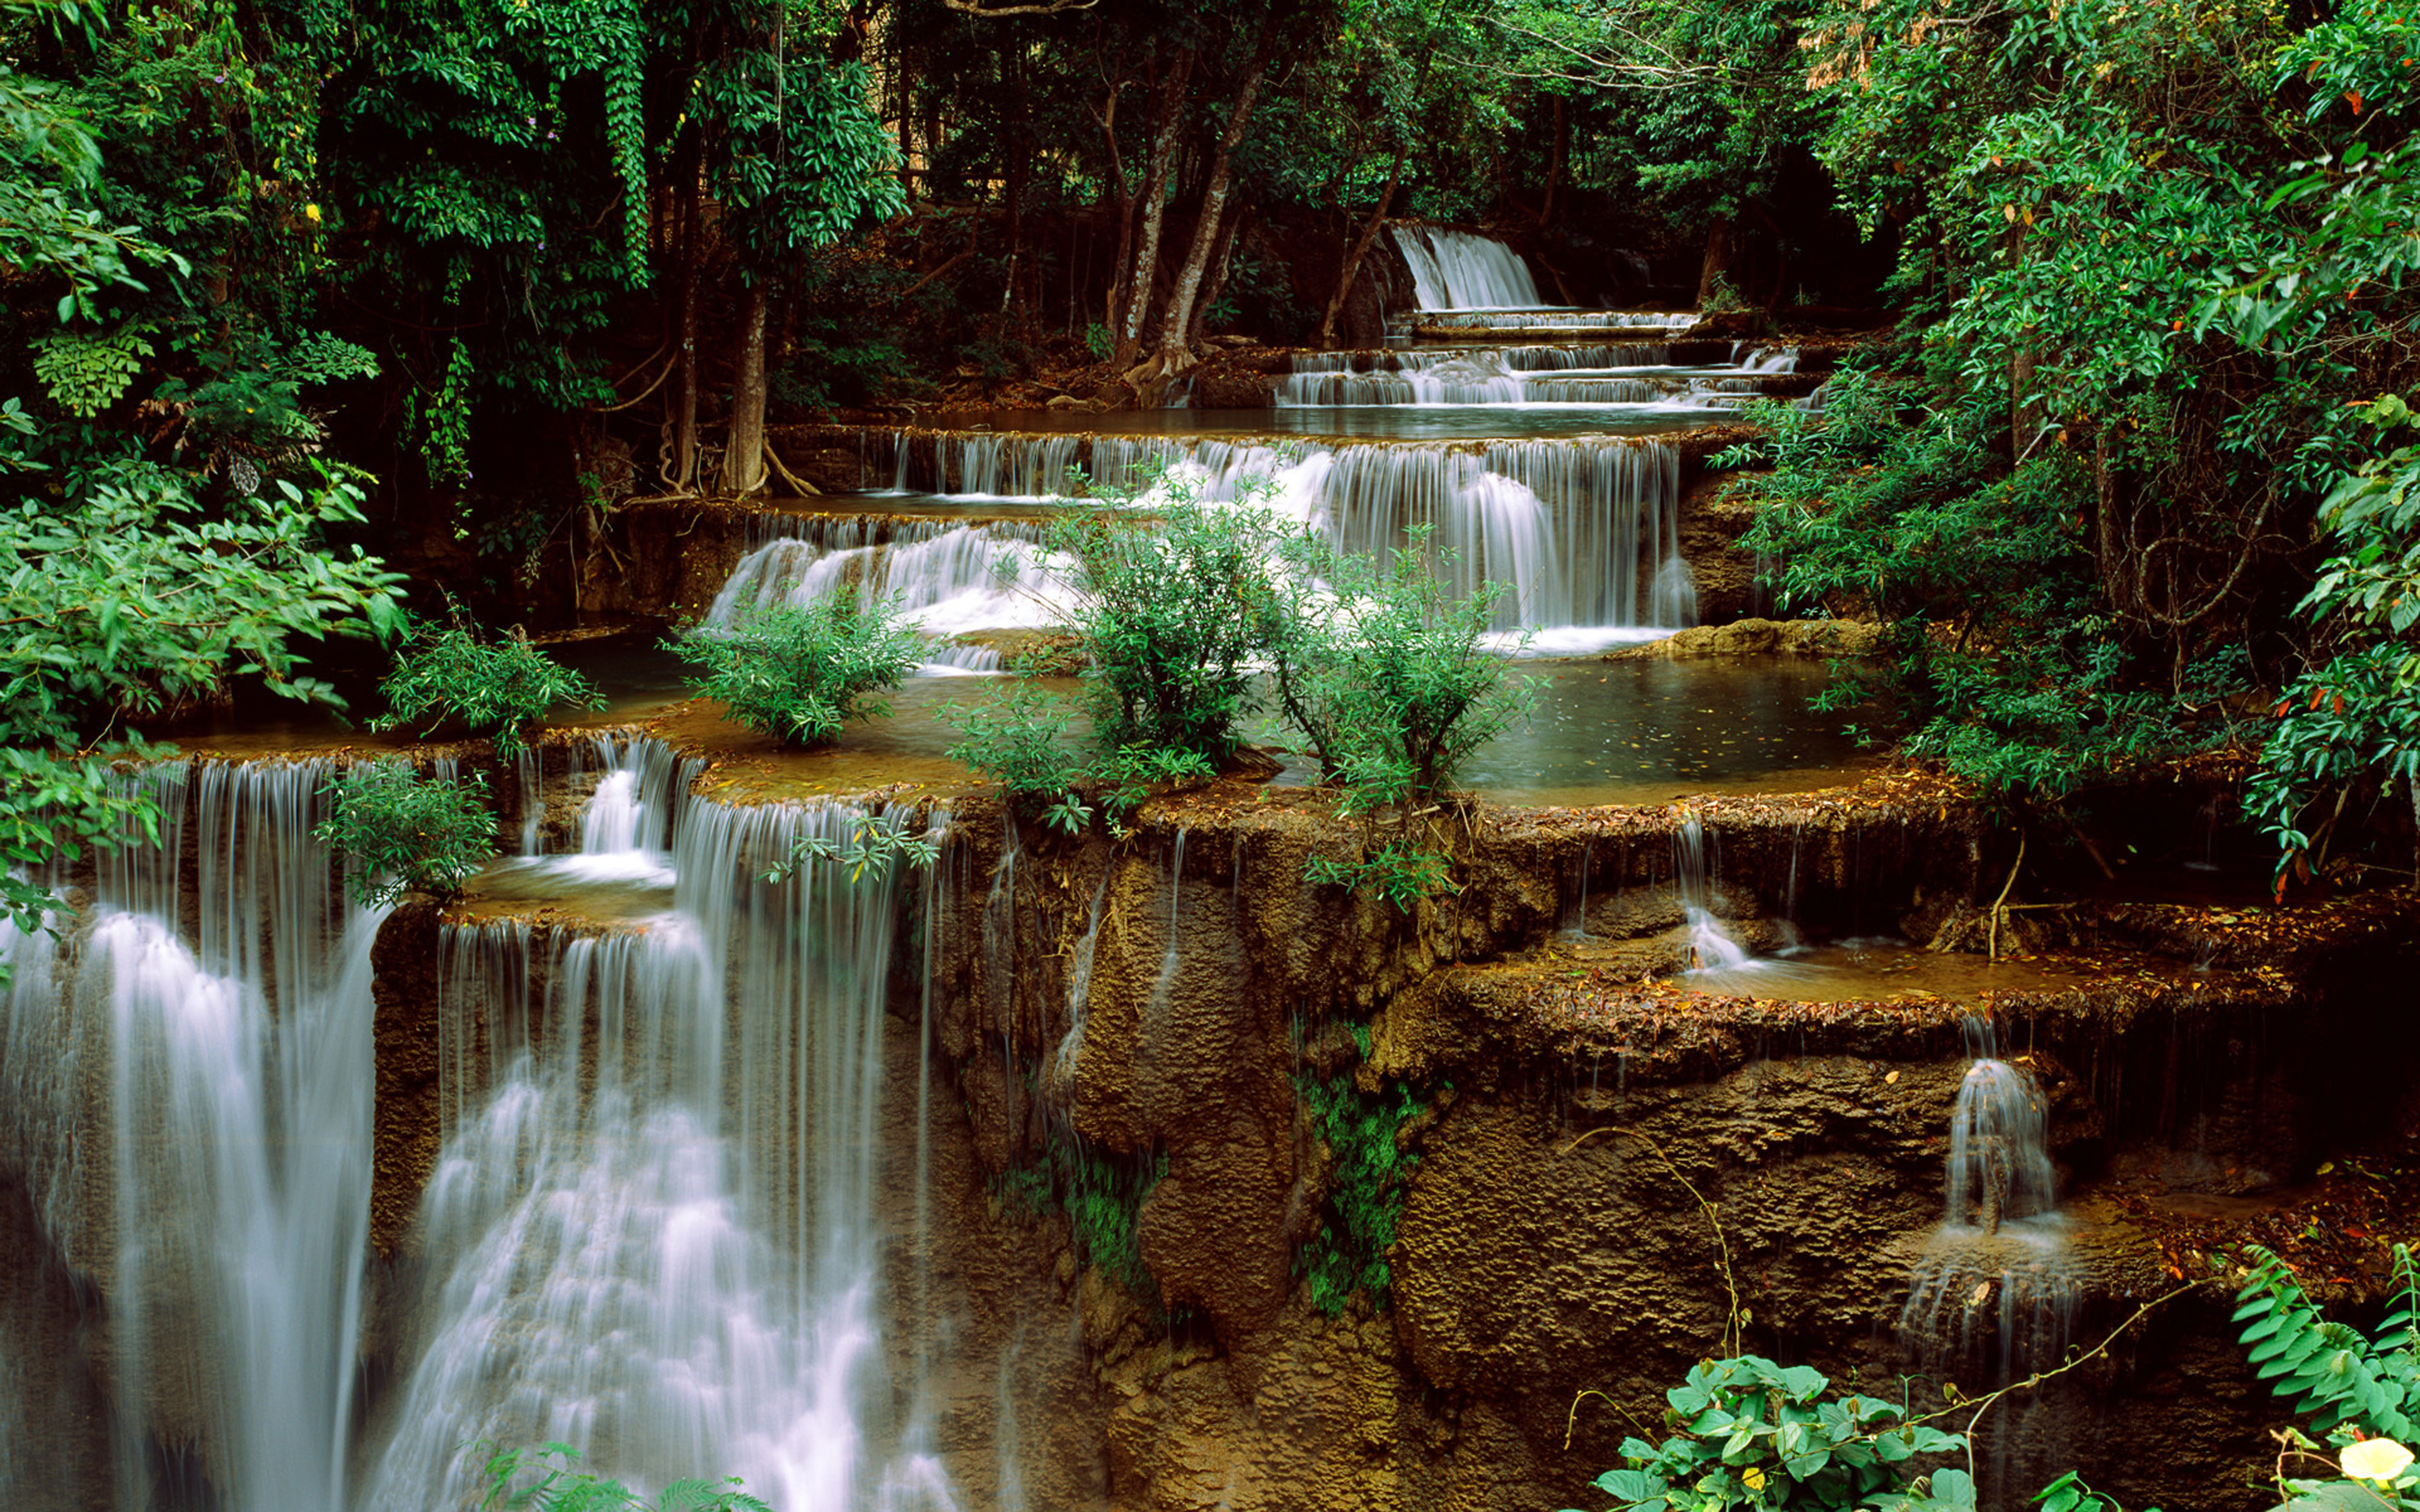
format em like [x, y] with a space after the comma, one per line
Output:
[311, 295]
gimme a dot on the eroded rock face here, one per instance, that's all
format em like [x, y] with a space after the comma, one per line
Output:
[1588, 1140]
[1606, 1161]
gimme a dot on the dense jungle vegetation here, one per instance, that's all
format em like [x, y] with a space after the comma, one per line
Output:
[310, 298]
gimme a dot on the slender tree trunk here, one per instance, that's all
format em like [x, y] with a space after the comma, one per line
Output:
[1360, 249]
[2025, 406]
[1219, 259]
[1207, 229]
[1125, 196]
[1717, 260]
[743, 456]
[1017, 151]
[687, 382]
[1554, 168]
[1155, 206]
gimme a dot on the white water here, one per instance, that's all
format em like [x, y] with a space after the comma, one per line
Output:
[192, 1115]
[1583, 534]
[1996, 1294]
[1460, 270]
[1529, 376]
[1713, 953]
[656, 1220]
[949, 578]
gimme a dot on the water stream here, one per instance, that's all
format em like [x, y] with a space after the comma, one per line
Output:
[654, 1230]
[188, 1090]
[1996, 1292]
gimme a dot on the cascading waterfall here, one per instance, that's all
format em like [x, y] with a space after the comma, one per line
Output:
[1584, 534]
[1460, 270]
[1711, 949]
[948, 576]
[678, 1152]
[192, 1113]
[1553, 319]
[1996, 1294]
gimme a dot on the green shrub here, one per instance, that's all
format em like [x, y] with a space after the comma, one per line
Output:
[558, 1487]
[800, 672]
[406, 833]
[1363, 1132]
[1168, 611]
[1018, 739]
[1401, 871]
[1102, 1194]
[495, 688]
[1998, 651]
[1748, 1432]
[1170, 608]
[1390, 677]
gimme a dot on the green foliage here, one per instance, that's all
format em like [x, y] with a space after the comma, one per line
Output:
[1370, 1170]
[1169, 610]
[1401, 871]
[800, 672]
[132, 600]
[1170, 607]
[873, 846]
[55, 809]
[2068, 1493]
[2356, 719]
[1999, 655]
[1018, 739]
[1748, 1432]
[2334, 1376]
[86, 374]
[556, 1486]
[1102, 1196]
[406, 833]
[1385, 671]
[494, 687]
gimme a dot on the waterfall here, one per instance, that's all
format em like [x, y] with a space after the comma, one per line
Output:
[1711, 946]
[654, 1228]
[1458, 270]
[948, 576]
[1996, 1294]
[1061, 1080]
[1582, 533]
[192, 1115]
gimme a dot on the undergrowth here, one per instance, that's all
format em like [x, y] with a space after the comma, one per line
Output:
[1365, 1201]
[1101, 1193]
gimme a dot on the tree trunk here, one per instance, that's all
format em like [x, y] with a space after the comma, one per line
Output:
[1116, 299]
[686, 383]
[1155, 206]
[1360, 250]
[1207, 229]
[1555, 169]
[2024, 407]
[1018, 153]
[743, 456]
[1219, 259]
[1717, 261]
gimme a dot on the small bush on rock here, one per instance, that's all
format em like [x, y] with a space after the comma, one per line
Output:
[495, 688]
[800, 673]
[406, 833]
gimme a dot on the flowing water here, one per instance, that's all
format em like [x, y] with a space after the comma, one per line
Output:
[188, 1091]
[1458, 270]
[1997, 1293]
[654, 1230]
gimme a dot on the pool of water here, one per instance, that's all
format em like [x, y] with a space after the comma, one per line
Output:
[1600, 731]
[1652, 731]
[1875, 970]
[1374, 421]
